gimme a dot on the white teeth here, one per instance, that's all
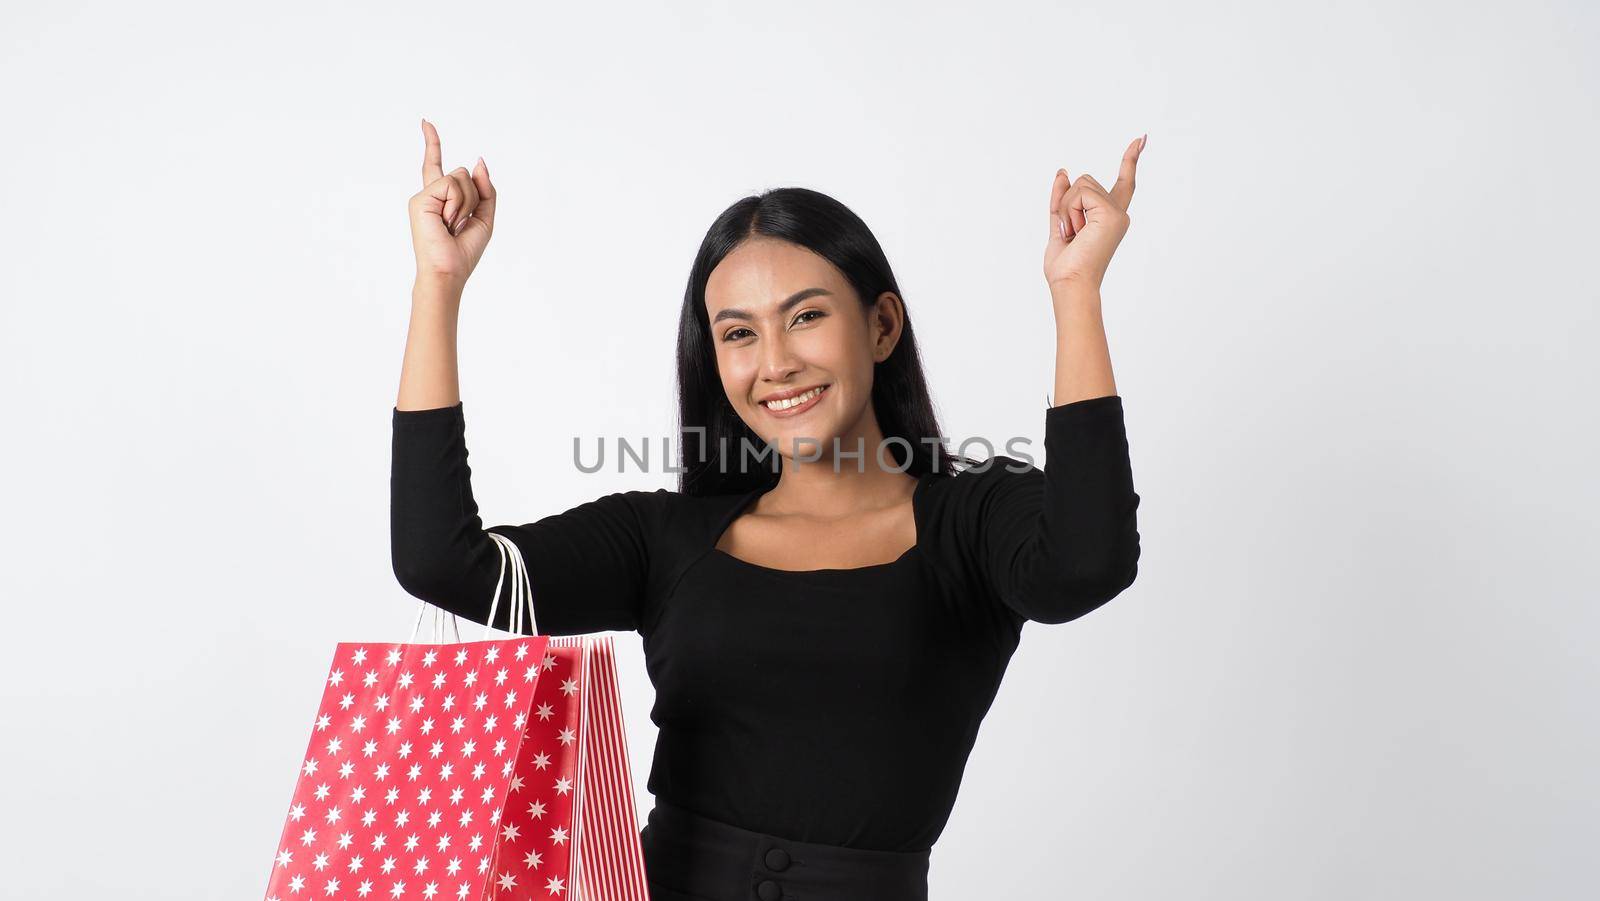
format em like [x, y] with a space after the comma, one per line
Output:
[794, 401]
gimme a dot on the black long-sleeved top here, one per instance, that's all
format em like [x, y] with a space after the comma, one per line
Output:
[835, 705]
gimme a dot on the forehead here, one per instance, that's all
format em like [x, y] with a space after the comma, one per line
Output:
[761, 272]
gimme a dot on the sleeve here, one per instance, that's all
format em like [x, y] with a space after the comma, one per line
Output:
[588, 566]
[1054, 544]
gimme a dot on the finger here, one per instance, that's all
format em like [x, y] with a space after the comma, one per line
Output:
[1091, 198]
[451, 191]
[432, 159]
[458, 208]
[1092, 194]
[1075, 208]
[476, 229]
[1122, 189]
[429, 202]
[469, 197]
[1058, 222]
[480, 179]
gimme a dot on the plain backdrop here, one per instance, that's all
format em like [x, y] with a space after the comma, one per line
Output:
[1353, 324]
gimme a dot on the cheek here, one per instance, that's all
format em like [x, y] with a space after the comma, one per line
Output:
[831, 349]
[736, 374]
[843, 360]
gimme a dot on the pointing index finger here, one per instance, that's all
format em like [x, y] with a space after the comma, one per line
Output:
[432, 159]
[1122, 189]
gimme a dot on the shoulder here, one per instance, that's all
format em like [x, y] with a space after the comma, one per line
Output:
[671, 517]
[955, 511]
[674, 530]
[959, 500]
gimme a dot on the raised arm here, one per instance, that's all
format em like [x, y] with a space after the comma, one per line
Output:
[1057, 544]
[1087, 222]
[452, 218]
[587, 566]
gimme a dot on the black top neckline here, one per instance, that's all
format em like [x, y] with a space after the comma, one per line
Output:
[745, 500]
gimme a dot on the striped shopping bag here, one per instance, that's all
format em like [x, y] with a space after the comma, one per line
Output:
[493, 769]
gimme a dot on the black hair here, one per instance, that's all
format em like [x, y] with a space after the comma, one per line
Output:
[713, 436]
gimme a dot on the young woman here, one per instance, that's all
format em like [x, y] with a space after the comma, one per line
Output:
[827, 627]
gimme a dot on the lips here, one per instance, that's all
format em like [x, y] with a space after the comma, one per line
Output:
[803, 406]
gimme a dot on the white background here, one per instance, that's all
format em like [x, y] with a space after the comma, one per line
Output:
[1353, 323]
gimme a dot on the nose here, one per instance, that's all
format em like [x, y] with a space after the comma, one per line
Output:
[777, 361]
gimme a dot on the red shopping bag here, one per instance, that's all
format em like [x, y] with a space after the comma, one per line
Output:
[493, 769]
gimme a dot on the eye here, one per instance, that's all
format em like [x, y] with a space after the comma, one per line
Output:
[733, 334]
[804, 313]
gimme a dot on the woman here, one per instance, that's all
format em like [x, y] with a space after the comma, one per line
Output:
[824, 642]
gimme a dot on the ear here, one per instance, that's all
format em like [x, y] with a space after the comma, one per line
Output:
[888, 321]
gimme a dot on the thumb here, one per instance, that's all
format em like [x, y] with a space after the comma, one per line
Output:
[1060, 229]
[486, 194]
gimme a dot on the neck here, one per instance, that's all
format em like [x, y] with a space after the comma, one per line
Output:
[842, 483]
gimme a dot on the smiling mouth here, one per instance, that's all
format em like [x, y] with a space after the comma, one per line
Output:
[794, 406]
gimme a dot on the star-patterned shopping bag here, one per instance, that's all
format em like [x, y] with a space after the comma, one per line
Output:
[480, 770]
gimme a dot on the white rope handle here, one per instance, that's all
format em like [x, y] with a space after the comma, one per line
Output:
[521, 589]
[439, 614]
[521, 597]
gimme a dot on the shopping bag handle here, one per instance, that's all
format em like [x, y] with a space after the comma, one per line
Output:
[521, 597]
[521, 589]
[438, 627]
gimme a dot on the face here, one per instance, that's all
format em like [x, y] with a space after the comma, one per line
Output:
[788, 326]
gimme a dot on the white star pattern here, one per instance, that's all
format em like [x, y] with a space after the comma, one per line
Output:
[368, 733]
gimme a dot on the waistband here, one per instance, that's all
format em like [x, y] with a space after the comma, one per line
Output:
[689, 857]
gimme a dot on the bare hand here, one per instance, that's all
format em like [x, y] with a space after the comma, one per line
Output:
[1087, 223]
[452, 216]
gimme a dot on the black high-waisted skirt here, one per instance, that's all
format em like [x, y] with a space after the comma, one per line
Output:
[688, 857]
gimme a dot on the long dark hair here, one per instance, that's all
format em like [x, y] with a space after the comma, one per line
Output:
[715, 459]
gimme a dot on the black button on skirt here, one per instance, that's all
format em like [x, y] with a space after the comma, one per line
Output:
[688, 857]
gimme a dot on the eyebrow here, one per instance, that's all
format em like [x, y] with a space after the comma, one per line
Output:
[796, 297]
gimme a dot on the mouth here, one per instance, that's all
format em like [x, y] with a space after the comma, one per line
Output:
[796, 405]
